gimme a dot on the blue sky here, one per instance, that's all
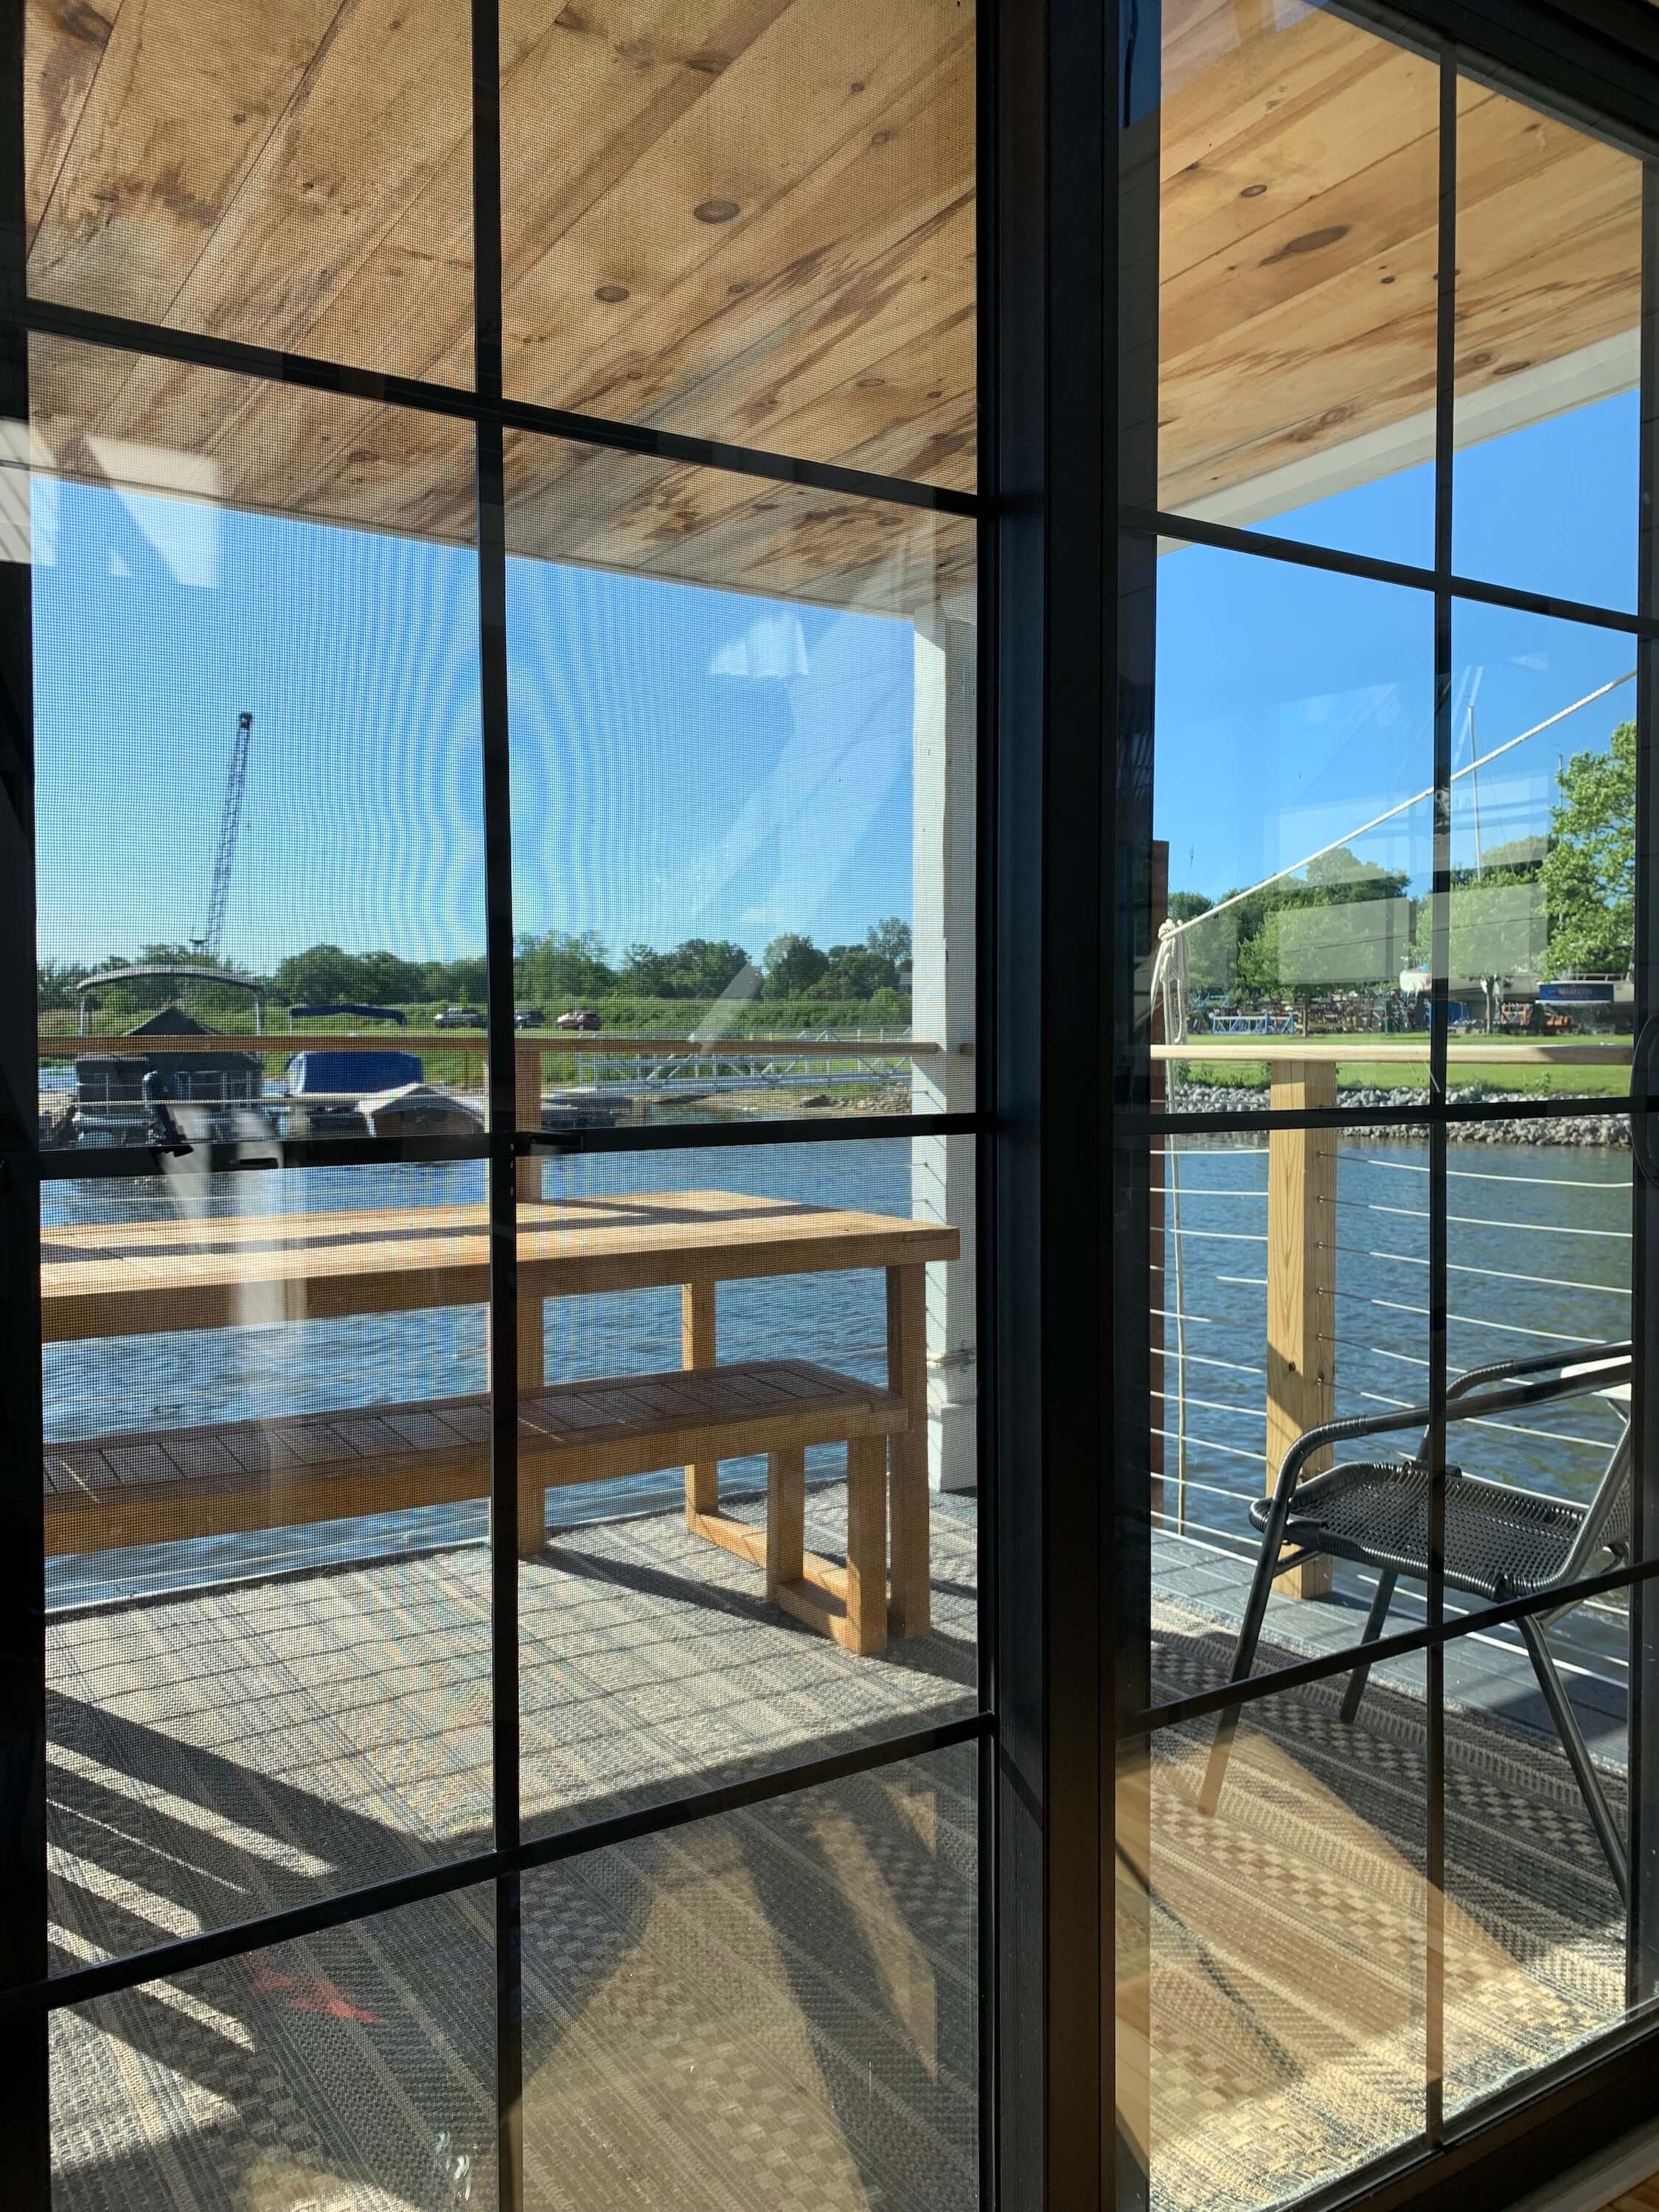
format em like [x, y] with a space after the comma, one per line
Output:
[686, 762]
[694, 763]
[1293, 705]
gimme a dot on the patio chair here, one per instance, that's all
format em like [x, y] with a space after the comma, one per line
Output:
[1500, 1541]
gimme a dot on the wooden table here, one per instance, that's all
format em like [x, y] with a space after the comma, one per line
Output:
[147, 1278]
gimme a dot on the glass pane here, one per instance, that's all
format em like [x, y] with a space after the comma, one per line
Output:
[269, 170]
[1271, 1949]
[356, 2067]
[259, 769]
[744, 734]
[1549, 303]
[1536, 1950]
[755, 224]
[1297, 255]
[1280, 1300]
[705, 1584]
[1293, 759]
[267, 1667]
[775, 2006]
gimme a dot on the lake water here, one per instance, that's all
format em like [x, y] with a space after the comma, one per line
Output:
[1539, 1252]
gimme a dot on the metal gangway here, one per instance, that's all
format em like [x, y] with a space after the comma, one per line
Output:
[718, 1064]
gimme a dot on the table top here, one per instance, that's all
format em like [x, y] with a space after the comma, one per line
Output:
[145, 1277]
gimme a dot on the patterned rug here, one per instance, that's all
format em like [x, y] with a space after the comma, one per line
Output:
[777, 2008]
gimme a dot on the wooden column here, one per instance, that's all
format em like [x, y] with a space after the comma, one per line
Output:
[1301, 1282]
[699, 1348]
[528, 1114]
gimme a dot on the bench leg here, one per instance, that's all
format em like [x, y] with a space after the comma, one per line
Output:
[786, 1518]
[532, 1518]
[698, 1349]
[867, 1545]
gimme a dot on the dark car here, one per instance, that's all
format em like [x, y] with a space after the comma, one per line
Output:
[529, 1017]
[459, 1017]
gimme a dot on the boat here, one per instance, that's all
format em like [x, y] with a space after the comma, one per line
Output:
[158, 1097]
[378, 1092]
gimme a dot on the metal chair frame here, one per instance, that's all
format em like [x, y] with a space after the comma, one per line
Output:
[1535, 1380]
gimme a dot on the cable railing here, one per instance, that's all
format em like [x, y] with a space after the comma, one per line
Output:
[1220, 1430]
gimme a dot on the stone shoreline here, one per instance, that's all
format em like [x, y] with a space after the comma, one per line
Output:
[1575, 1129]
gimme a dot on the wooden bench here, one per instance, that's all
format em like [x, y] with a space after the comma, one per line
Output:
[177, 1484]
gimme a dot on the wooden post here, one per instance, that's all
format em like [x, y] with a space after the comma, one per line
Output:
[1158, 1281]
[699, 1347]
[527, 1112]
[1301, 1282]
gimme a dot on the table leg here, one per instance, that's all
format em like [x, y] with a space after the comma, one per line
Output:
[911, 1613]
[702, 1487]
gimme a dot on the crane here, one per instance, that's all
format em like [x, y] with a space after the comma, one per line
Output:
[230, 821]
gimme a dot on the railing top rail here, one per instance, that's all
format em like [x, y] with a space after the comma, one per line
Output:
[272, 1043]
[1380, 1049]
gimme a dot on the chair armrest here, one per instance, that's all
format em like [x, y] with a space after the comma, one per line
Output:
[1521, 1392]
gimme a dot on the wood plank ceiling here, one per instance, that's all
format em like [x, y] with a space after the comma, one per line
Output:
[751, 220]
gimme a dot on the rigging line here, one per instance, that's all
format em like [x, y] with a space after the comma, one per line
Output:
[1178, 928]
[1485, 1175]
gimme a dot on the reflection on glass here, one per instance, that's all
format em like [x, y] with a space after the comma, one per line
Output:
[775, 2006]
[289, 176]
[1294, 759]
[1271, 1949]
[773, 1554]
[755, 225]
[266, 1472]
[356, 2067]
[743, 793]
[1298, 201]
[259, 782]
[1549, 304]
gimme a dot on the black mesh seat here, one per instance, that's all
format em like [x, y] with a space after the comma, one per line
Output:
[1501, 1542]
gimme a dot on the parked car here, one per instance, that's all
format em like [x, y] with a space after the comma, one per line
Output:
[528, 1017]
[459, 1017]
[578, 1017]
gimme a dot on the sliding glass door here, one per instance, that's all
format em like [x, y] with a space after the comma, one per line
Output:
[1384, 1808]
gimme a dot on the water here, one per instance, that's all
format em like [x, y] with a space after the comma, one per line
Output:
[1551, 1214]
[198, 1376]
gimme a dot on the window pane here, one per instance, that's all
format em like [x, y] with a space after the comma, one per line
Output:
[1549, 303]
[823, 1295]
[269, 170]
[1286, 1279]
[744, 735]
[258, 758]
[773, 2006]
[1296, 254]
[1293, 757]
[268, 1668]
[755, 224]
[1271, 1950]
[356, 2067]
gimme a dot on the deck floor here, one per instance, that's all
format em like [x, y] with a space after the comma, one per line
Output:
[770, 2008]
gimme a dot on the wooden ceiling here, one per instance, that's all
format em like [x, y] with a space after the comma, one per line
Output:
[1299, 191]
[752, 220]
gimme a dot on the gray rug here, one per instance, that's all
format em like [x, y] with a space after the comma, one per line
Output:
[773, 2009]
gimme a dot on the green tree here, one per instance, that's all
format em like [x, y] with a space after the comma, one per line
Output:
[55, 981]
[1590, 871]
[793, 964]
[889, 941]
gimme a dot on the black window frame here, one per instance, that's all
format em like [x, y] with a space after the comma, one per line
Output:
[29, 1996]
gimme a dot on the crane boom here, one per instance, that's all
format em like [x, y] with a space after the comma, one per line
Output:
[230, 821]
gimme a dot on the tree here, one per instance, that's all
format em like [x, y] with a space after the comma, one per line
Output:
[889, 941]
[55, 981]
[563, 967]
[793, 964]
[1590, 871]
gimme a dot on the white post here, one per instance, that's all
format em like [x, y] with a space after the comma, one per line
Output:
[943, 895]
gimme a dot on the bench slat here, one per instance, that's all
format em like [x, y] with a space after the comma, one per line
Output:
[171, 1484]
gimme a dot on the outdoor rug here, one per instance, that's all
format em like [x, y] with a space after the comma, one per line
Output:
[771, 2009]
